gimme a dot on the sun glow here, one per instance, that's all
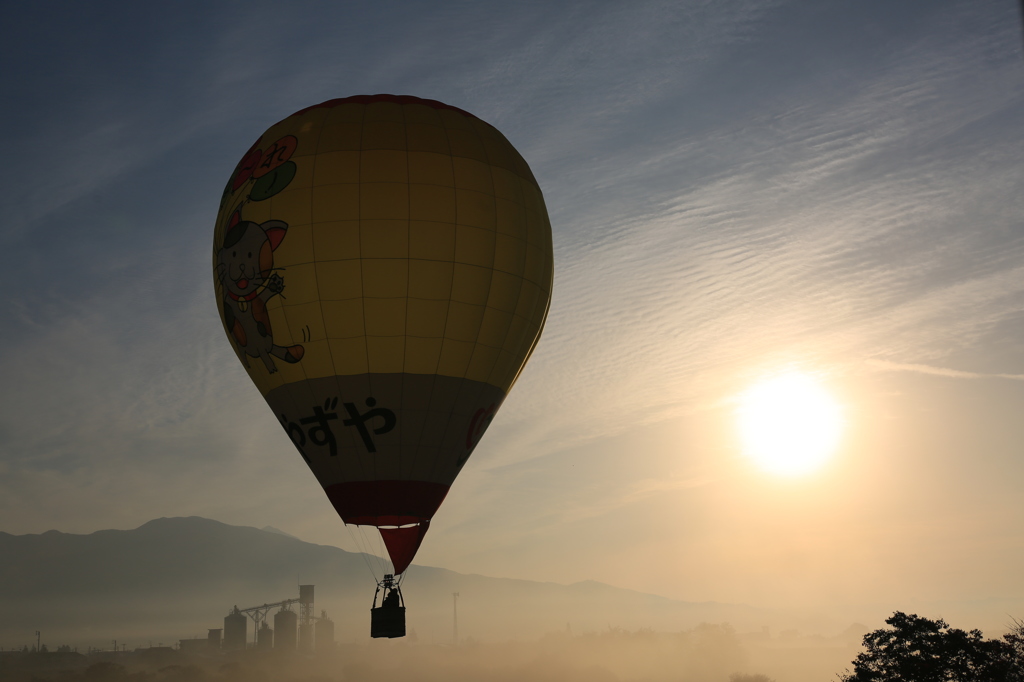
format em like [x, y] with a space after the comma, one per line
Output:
[789, 425]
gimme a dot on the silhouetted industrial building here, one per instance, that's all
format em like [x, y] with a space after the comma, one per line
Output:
[291, 631]
[213, 639]
[265, 637]
[324, 633]
[306, 618]
[196, 645]
[285, 623]
[235, 630]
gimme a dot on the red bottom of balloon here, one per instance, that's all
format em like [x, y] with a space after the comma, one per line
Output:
[403, 543]
[390, 503]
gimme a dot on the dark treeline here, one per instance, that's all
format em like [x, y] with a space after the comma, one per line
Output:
[916, 649]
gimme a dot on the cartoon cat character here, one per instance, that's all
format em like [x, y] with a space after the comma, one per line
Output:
[245, 268]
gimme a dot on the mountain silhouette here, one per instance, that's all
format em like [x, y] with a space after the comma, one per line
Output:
[173, 578]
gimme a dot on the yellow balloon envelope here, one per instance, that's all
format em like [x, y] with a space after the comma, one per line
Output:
[383, 269]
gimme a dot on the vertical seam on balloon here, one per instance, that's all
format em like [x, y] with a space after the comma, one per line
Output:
[362, 280]
[523, 282]
[547, 305]
[356, 443]
[451, 290]
[305, 377]
[433, 375]
[455, 245]
[353, 443]
[366, 461]
[316, 279]
[503, 378]
[533, 345]
[494, 258]
[482, 385]
[408, 285]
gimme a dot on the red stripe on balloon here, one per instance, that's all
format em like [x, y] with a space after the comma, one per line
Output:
[386, 503]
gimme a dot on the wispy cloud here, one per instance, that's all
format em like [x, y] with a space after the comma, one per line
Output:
[733, 186]
[938, 371]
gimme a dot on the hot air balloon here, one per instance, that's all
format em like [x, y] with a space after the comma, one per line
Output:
[383, 270]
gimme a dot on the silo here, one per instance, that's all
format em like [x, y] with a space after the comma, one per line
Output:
[306, 618]
[285, 623]
[235, 630]
[213, 638]
[324, 633]
[265, 637]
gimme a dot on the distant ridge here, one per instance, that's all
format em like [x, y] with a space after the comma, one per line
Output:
[271, 529]
[176, 577]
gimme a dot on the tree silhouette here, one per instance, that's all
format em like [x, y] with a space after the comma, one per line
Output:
[916, 649]
[1015, 648]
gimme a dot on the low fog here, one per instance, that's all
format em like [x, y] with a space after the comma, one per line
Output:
[706, 653]
[154, 592]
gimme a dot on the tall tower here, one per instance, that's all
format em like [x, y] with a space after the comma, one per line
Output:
[306, 618]
[455, 617]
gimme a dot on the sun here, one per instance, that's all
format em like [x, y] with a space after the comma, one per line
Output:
[789, 425]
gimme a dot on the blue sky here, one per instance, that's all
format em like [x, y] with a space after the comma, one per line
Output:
[734, 187]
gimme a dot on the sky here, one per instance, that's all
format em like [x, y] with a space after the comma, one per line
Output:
[737, 189]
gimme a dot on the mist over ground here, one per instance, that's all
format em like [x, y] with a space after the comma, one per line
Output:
[176, 578]
[706, 653]
[146, 590]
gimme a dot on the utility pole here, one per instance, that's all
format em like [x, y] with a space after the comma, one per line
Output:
[38, 650]
[455, 618]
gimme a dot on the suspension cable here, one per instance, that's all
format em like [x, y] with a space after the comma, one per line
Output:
[359, 540]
